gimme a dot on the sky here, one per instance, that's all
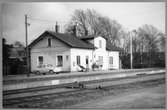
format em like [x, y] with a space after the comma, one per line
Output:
[43, 16]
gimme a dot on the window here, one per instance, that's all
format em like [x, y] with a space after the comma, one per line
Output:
[110, 60]
[100, 60]
[78, 60]
[49, 42]
[100, 44]
[59, 61]
[73, 63]
[40, 60]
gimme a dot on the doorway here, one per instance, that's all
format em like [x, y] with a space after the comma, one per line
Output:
[87, 63]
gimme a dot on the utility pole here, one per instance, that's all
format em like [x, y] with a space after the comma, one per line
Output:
[142, 54]
[26, 40]
[131, 46]
[131, 52]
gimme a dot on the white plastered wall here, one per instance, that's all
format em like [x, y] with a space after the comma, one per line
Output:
[82, 53]
[50, 53]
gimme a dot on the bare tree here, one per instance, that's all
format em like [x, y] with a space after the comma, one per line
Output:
[151, 40]
[161, 44]
[89, 22]
[18, 44]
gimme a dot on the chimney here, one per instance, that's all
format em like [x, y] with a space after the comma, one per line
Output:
[56, 28]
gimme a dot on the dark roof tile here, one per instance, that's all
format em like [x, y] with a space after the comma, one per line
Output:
[109, 46]
[73, 41]
[68, 39]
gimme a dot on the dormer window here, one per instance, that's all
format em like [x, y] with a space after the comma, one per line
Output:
[100, 44]
[49, 42]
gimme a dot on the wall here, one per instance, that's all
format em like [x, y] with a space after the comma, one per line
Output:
[59, 48]
[82, 53]
[101, 52]
[116, 59]
[50, 53]
[105, 54]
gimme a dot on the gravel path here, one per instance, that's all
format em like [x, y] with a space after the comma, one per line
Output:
[143, 98]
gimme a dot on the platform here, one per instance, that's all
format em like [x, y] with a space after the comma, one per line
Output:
[22, 82]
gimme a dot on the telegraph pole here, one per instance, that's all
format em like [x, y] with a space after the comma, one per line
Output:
[131, 46]
[26, 40]
[131, 52]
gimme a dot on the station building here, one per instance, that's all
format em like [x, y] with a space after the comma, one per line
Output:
[68, 51]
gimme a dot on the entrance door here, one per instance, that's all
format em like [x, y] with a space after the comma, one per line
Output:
[87, 62]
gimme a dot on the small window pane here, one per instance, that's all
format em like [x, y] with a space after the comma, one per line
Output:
[100, 44]
[100, 60]
[78, 60]
[110, 60]
[60, 60]
[49, 42]
[40, 60]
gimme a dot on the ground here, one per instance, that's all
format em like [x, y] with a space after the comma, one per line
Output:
[147, 94]
[144, 98]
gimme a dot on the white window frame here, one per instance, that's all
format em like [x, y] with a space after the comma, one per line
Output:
[57, 60]
[78, 56]
[111, 62]
[38, 62]
[100, 43]
[100, 59]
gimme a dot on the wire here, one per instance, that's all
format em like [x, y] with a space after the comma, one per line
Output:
[62, 24]
[44, 20]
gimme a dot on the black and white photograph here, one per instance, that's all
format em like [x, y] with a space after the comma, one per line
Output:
[83, 55]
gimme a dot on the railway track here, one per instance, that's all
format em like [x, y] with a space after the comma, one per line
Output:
[59, 86]
[67, 76]
[48, 84]
[90, 86]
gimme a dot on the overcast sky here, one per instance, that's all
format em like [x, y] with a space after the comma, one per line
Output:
[130, 15]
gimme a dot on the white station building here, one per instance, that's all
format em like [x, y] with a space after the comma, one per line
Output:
[68, 51]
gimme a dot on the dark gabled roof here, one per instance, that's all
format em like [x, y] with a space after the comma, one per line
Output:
[109, 46]
[87, 37]
[68, 39]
